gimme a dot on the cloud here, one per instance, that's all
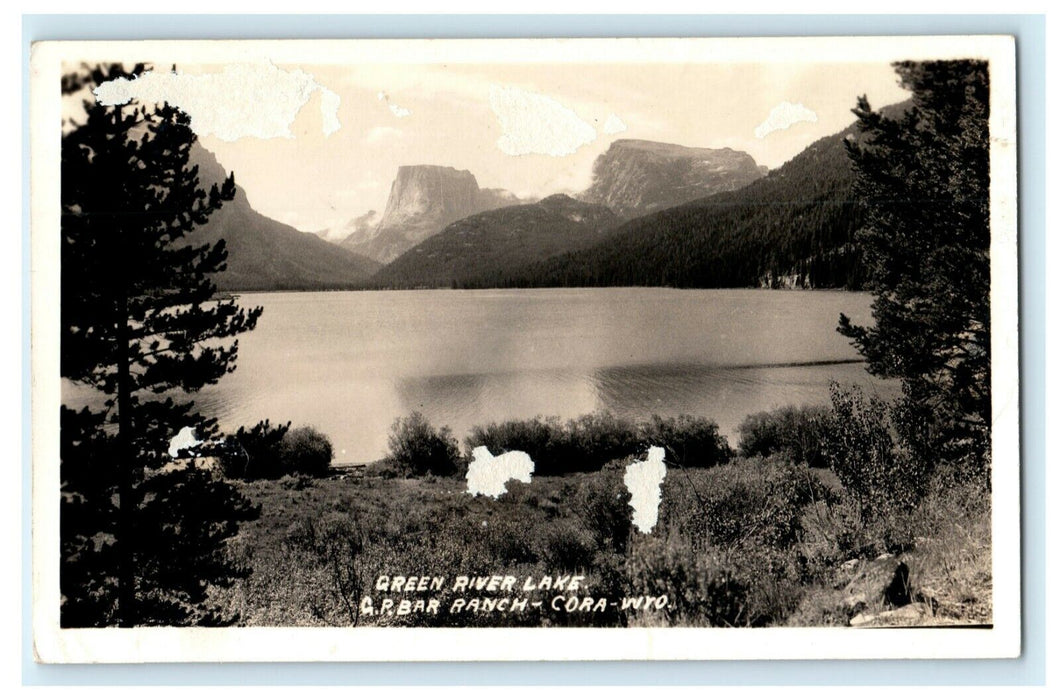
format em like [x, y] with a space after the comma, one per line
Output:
[614, 125]
[399, 112]
[783, 116]
[382, 133]
[244, 99]
[533, 123]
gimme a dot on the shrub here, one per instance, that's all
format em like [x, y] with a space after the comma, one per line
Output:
[268, 451]
[334, 545]
[541, 438]
[506, 542]
[581, 444]
[591, 441]
[701, 589]
[797, 433]
[690, 441]
[596, 438]
[602, 503]
[295, 483]
[417, 449]
[757, 502]
[567, 547]
[305, 450]
[877, 472]
[254, 453]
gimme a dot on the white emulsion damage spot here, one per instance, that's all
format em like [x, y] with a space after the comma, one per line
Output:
[614, 125]
[533, 123]
[244, 99]
[488, 475]
[784, 116]
[183, 440]
[644, 482]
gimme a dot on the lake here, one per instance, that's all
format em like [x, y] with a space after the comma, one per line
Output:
[349, 363]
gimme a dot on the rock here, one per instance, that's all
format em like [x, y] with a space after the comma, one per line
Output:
[897, 592]
[912, 615]
[879, 583]
[635, 177]
[850, 564]
[862, 620]
[423, 200]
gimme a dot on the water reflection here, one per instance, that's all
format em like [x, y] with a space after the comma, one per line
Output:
[349, 363]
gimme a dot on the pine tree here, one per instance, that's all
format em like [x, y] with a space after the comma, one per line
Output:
[924, 176]
[141, 324]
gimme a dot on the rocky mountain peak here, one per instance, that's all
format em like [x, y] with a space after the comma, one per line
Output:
[423, 200]
[635, 177]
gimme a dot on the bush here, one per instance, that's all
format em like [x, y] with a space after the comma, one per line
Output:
[541, 438]
[417, 449]
[690, 441]
[596, 438]
[269, 451]
[567, 547]
[254, 453]
[591, 441]
[305, 450]
[877, 472]
[797, 433]
[756, 502]
[334, 546]
[602, 503]
[701, 589]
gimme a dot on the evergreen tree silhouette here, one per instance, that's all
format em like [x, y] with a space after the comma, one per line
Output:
[142, 325]
[924, 177]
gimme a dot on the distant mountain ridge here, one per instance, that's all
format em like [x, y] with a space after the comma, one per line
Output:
[791, 228]
[423, 200]
[264, 254]
[498, 242]
[636, 177]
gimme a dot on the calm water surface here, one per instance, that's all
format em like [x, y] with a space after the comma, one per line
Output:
[349, 363]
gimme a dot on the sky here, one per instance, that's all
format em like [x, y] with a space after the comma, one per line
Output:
[317, 145]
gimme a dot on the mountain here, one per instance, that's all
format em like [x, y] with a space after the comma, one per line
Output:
[264, 254]
[423, 200]
[792, 228]
[356, 230]
[634, 178]
[498, 243]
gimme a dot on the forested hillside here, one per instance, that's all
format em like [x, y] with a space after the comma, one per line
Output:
[794, 227]
[498, 244]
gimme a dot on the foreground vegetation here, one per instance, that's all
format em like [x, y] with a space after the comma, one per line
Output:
[759, 536]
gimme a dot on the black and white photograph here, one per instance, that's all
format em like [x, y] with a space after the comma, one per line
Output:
[525, 349]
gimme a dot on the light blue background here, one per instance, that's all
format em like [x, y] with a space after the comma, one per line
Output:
[1030, 33]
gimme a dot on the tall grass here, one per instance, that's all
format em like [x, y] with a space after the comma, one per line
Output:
[751, 540]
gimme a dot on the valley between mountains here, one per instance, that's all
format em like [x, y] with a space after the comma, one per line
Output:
[656, 214]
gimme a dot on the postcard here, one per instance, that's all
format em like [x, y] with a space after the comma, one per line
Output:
[536, 349]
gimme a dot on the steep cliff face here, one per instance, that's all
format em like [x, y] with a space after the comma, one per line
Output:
[634, 178]
[264, 254]
[424, 199]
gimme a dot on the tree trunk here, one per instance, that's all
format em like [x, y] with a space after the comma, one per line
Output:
[126, 506]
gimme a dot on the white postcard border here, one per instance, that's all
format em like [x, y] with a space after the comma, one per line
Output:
[53, 644]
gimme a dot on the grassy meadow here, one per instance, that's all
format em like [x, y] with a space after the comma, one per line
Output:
[742, 539]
